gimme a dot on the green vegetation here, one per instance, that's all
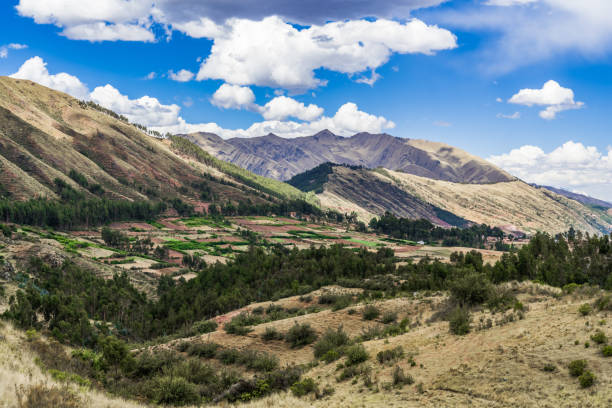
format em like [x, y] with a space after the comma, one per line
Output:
[587, 379]
[370, 312]
[313, 179]
[86, 212]
[585, 309]
[390, 355]
[270, 186]
[423, 230]
[577, 367]
[459, 321]
[300, 335]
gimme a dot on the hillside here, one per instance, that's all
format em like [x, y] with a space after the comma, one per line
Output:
[584, 199]
[283, 158]
[512, 205]
[45, 134]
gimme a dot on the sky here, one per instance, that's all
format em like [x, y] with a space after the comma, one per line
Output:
[525, 84]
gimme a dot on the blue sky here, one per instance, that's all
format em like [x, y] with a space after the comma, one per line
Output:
[468, 73]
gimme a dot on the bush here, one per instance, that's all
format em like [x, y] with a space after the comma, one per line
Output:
[604, 303]
[330, 341]
[44, 396]
[229, 356]
[606, 351]
[304, 387]
[356, 354]
[500, 299]
[459, 321]
[400, 379]
[239, 324]
[370, 312]
[576, 367]
[586, 379]
[599, 337]
[205, 350]
[470, 289]
[271, 334]
[175, 391]
[389, 317]
[300, 335]
[205, 326]
[349, 372]
[390, 355]
[585, 309]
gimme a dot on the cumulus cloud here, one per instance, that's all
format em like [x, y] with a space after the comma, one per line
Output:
[283, 107]
[233, 97]
[193, 15]
[573, 166]
[4, 50]
[348, 120]
[552, 95]
[35, 69]
[101, 31]
[271, 52]
[182, 76]
[147, 110]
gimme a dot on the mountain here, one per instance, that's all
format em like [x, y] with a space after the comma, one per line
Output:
[47, 135]
[581, 198]
[282, 158]
[511, 205]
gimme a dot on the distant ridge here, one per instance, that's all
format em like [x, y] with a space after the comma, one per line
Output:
[581, 198]
[282, 158]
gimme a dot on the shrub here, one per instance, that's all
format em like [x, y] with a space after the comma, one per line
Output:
[205, 350]
[331, 356]
[459, 321]
[304, 387]
[239, 324]
[470, 289]
[258, 361]
[390, 355]
[174, 390]
[500, 299]
[331, 340]
[599, 337]
[300, 335]
[604, 302]
[606, 351]
[205, 326]
[356, 354]
[576, 367]
[586, 379]
[400, 379]
[228, 356]
[389, 317]
[585, 309]
[43, 396]
[549, 368]
[271, 334]
[370, 312]
[349, 372]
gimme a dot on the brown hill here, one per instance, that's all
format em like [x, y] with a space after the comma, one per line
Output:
[282, 158]
[512, 205]
[44, 134]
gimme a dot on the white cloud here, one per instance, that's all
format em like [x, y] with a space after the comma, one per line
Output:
[526, 32]
[149, 111]
[369, 81]
[4, 50]
[441, 123]
[35, 69]
[150, 75]
[233, 97]
[515, 115]
[273, 53]
[552, 95]
[182, 76]
[348, 120]
[146, 110]
[283, 107]
[499, 100]
[101, 31]
[572, 166]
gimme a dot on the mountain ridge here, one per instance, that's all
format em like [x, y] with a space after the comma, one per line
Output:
[283, 158]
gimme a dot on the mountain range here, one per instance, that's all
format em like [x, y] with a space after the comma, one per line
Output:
[283, 158]
[46, 136]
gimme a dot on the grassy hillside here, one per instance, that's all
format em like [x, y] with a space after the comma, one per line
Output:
[509, 205]
[270, 186]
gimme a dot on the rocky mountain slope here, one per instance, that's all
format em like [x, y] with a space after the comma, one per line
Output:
[584, 199]
[282, 158]
[45, 134]
[511, 205]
